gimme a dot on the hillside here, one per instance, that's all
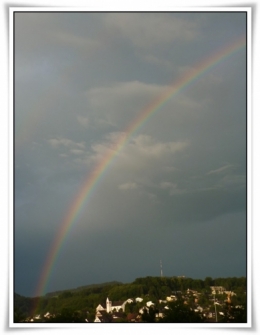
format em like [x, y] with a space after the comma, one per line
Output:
[84, 300]
[80, 288]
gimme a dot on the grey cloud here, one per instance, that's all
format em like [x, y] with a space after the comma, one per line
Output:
[220, 170]
[144, 32]
[121, 101]
[128, 186]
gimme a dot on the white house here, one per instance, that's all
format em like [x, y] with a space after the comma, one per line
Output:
[129, 301]
[198, 309]
[149, 303]
[102, 318]
[160, 313]
[141, 310]
[162, 301]
[139, 299]
[101, 308]
[217, 289]
[171, 298]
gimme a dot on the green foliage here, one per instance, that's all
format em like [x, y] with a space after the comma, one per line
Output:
[178, 312]
[22, 305]
[149, 316]
[234, 314]
[124, 292]
[65, 295]
[208, 281]
[203, 300]
[19, 316]
[75, 305]
[94, 287]
[67, 315]
[232, 283]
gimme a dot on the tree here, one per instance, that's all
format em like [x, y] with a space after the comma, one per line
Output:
[178, 312]
[234, 314]
[68, 316]
[203, 300]
[18, 315]
[208, 281]
[149, 316]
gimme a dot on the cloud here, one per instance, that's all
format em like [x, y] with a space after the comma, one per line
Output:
[67, 143]
[128, 186]
[142, 29]
[74, 41]
[158, 61]
[77, 151]
[173, 188]
[120, 102]
[49, 30]
[82, 120]
[220, 170]
[142, 153]
[234, 180]
[227, 176]
[146, 146]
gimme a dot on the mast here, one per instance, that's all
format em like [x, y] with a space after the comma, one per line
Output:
[161, 269]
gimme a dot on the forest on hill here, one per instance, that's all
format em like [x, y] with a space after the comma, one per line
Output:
[84, 300]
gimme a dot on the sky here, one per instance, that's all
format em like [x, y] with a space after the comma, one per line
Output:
[175, 192]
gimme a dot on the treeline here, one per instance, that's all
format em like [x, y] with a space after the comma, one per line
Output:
[83, 301]
[80, 288]
[158, 286]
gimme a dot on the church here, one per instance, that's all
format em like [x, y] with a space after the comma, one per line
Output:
[110, 306]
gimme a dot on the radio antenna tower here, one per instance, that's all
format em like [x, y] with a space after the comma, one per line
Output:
[161, 268]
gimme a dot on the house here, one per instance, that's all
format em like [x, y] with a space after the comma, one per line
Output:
[138, 299]
[101, 307]
[103, 318]
[141, 310]
[231, 293]
[47, 315]
[100, 313]
[117, 316]
[217, 289]
[198, 309]
[160, 313]
[149, 303]
[162, 301]
[132, 317]
[171, 298]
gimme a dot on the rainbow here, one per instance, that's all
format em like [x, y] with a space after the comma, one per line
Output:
[93, 179]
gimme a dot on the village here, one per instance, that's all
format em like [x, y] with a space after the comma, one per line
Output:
[142, 309]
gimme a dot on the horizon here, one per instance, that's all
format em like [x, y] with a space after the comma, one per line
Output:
[123, 283]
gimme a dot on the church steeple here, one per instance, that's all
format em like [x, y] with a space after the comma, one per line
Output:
[108, 305]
